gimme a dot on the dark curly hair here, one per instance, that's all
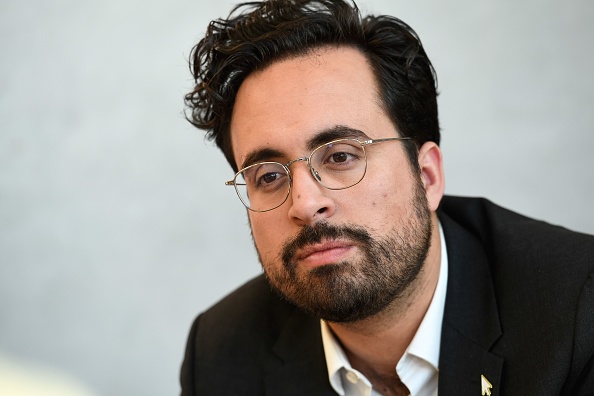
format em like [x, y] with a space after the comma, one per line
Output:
[256, 34]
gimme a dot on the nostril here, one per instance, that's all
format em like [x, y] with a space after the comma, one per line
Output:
[321, 210]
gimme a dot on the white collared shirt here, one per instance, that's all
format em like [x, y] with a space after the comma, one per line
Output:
[419, 366]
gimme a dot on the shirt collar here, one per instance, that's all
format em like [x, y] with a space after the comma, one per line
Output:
[335, 358]
[425, 344]
[427, 340]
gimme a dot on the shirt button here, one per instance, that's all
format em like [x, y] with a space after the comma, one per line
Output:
[352, 377]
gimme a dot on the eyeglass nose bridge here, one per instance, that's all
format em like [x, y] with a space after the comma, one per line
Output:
[312, 170]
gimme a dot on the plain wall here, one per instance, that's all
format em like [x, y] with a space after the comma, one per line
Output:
[115, 226]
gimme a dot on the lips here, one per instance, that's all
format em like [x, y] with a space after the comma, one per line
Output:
[323, 243]
[326, 252]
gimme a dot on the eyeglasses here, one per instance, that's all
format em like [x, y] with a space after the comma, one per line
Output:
[336, 165]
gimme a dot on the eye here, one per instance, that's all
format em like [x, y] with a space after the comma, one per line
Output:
[340, 157]
[268, 178]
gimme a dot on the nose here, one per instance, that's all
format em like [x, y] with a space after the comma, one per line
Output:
[309, 201]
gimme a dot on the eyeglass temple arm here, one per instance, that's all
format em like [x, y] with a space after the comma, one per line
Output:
[372, 141]
[233, 183]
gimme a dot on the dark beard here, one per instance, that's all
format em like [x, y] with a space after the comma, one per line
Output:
[355, 290]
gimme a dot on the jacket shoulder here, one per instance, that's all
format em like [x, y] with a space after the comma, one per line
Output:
[509, 235]
[543, 280]
[228, 328]
[230, 343]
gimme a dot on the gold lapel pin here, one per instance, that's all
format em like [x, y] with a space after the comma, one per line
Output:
[485, 386]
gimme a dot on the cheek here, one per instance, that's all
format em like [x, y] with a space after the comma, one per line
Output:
[268, 237]
[378, 193]
[380, 202]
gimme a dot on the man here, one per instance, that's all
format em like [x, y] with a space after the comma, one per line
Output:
[374, 282]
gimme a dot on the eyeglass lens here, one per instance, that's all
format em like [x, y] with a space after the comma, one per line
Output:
[335, 165]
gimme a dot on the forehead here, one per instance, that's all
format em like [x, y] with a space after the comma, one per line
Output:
[284, 105]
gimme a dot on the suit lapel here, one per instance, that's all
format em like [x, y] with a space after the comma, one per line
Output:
[471, 320]
[301, 366]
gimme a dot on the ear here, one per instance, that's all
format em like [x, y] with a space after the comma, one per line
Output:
[431, 166]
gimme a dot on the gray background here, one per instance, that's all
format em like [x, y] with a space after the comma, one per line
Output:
[115, 226]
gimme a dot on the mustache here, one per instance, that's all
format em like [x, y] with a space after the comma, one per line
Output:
[310, 235]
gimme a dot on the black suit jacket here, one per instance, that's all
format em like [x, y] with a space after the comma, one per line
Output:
[519, 310]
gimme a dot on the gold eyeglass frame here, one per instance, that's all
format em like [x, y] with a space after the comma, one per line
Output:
[313, 172]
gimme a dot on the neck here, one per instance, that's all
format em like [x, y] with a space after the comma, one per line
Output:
[376, 344]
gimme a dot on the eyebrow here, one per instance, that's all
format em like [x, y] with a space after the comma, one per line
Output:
[260, 155]
[327, 135]
[336, 132]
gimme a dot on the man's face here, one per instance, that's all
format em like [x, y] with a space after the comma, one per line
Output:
[342, 255]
